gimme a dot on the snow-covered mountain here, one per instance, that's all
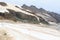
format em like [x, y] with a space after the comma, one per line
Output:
[15, 13]
[23, 27]
[26, 14]
[46, 15]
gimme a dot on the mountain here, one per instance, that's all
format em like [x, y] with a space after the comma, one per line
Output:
[30, 27]
[12, 12]
[31, 8]
[46, 15]
[27, 14]
[55, 15]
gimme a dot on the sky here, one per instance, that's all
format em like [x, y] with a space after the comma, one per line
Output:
[49, 5]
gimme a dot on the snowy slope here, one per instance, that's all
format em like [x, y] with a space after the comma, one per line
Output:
[30, 31]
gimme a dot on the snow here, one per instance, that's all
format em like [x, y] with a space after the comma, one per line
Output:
[12, 7]
[3, 10]
[23, 31]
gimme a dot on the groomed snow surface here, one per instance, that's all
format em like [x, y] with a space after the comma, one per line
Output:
[24, 31]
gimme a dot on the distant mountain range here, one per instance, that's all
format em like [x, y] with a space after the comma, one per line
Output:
[27, 14]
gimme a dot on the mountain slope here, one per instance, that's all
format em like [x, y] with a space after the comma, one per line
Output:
[22, 28]
[18, 14]
[46, 15]
[29, 14]
[25, 31]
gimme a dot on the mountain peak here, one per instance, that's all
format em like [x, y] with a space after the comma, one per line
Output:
[41, 9]
[32, 6]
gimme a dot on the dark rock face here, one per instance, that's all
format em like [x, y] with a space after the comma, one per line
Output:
[55, 15]
[31, 8]
[17, 6]
[42, 10]
[7, 16]
[22, 16]
[43, 20]
[3, 4]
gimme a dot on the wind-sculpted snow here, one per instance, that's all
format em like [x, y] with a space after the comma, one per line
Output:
[24, 31]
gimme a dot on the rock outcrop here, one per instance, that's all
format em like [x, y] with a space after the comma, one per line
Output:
[3, 4]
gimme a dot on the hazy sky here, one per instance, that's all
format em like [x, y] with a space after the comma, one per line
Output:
[51, 5]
